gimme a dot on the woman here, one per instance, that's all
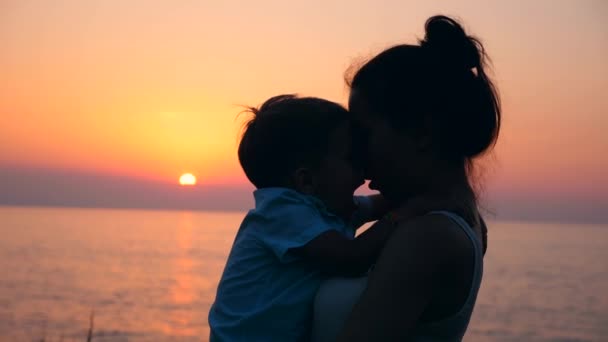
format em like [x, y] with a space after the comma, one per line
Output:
[424, 113]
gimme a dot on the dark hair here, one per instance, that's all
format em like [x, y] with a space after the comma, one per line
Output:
[440, 83]
[286, 133]
[438, 87]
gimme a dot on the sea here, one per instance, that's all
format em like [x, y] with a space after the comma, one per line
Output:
[148, 275]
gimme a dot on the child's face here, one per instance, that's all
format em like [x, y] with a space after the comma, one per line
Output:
[337, 177]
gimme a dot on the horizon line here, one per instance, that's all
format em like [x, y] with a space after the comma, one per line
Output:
[491, 218]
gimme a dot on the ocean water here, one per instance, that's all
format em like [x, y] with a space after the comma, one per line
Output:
[152, 275]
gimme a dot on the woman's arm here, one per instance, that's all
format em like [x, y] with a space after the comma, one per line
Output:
[408, 273]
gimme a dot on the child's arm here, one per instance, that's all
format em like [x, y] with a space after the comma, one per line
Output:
[374, 206]
[337, 255]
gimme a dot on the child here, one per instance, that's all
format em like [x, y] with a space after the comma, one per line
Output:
[297, 153]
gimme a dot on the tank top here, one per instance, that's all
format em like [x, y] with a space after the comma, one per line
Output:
[337, 296]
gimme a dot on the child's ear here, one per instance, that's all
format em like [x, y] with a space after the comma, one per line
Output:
[304, 181]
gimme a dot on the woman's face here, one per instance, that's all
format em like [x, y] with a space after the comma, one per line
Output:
[390, 158]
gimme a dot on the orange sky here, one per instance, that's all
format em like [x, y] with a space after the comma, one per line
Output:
[151, 88]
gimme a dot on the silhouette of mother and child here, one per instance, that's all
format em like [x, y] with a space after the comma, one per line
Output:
[418, 117]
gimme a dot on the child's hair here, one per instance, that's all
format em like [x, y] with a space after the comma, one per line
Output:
[286, 133]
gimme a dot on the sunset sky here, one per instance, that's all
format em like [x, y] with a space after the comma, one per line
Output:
[102, 92]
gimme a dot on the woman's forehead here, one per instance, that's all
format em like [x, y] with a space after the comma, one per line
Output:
[359, 109]
[354, 98]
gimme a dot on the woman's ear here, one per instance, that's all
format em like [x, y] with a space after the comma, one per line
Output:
[303, 180]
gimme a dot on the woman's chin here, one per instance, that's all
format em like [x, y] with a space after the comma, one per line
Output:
[372, 185]
[385, 191]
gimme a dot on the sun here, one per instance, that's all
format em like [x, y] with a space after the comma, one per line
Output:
[187, 179]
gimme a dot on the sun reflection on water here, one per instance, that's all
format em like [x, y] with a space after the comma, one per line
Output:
[182, 294]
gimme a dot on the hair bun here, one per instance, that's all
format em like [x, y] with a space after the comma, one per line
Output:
[447, 40]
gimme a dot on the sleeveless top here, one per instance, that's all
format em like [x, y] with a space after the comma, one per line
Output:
[337, 297]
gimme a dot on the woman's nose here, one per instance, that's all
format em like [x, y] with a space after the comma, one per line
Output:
[359, 176]
[366, 174]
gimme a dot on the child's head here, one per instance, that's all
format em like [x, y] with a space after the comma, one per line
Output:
[303, 144]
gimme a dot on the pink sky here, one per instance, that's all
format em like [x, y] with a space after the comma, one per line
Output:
[149, 90]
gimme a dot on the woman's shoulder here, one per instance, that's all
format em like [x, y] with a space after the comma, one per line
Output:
[436, 238]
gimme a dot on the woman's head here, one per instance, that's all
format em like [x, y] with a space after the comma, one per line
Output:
[425, 110]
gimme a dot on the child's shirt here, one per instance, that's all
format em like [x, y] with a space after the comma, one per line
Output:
[266, 291]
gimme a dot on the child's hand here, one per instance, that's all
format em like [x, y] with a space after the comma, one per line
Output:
[375, 206]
